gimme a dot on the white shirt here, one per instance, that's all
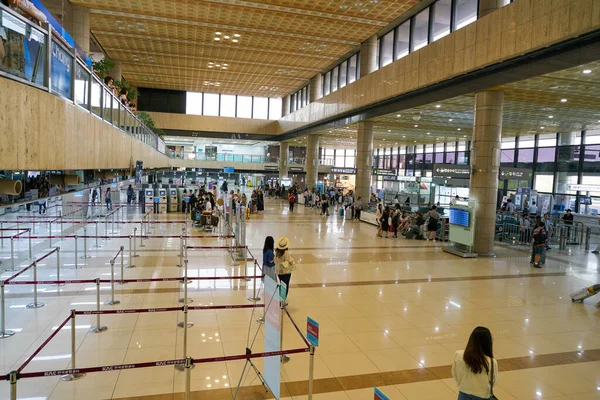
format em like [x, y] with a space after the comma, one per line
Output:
[208, 206]
[469, 383]
[533, 209]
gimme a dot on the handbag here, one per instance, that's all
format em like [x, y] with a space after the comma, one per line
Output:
[492, 395]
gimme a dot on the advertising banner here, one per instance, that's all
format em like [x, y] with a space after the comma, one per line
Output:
[452, 171]
[272, 333]
[61, 71]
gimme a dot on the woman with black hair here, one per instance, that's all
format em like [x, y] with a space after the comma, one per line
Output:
[269, 257]
[474, 369]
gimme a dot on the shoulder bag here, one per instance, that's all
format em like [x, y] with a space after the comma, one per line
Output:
[492, 395]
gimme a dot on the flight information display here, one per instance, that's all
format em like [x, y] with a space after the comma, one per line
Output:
[459, 217]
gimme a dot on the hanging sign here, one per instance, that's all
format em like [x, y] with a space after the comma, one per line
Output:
[389, 172]
[451, 170]
[583, 188]
[516, 173]
[349, 171]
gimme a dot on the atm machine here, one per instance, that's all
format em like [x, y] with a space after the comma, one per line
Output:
[162, 200]
[172, 200]
[148, 199]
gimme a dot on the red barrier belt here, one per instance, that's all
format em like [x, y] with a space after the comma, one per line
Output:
[130, 311]
[214, 247]
[296, 326]
[54, 282]
[246, 356]
[7, 281]
[227, 307]
[47, 254]
[35, 353]
[210, 278]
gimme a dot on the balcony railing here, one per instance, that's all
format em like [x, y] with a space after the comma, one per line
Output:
[36, 57]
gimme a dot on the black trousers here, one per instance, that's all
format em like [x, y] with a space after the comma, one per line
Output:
[285, 278]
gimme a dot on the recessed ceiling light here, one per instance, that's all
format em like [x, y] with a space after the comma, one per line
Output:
[458, 129]
[217, 38]
[563, 100]
[438, 105]
[550, 116]
[398, 115]
[384, 140]
[226, 65]
[234, 40]
[450, 120]
[541, 127]
[416, 126]
[236, 35]
[415, 141]
[429, 133]
[210, 66]
[223, 67]
[210, 62]
[389, 130]
[226, 37]
[217, 65]
[587, 71]
[404, 136]
[465, 136]
[217, 33]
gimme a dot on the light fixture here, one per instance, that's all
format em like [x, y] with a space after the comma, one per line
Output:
[398, 115]
[236, 35]
[384, 140]
[541, 127]
[210, 66]
[458, 129]
[404, 137]
[438, 105]
[416, 126]
[210, 62]
[217, 33]
[226, 37]
[563, 100]
[429, 133]
[227, 65]
[550, 116]
[587, 71]
[389, 130]
[217, 39]
[223, 67]
[235, 40]
[450, 120]
[217, 65]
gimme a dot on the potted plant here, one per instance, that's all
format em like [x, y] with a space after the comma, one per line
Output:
[103, 67]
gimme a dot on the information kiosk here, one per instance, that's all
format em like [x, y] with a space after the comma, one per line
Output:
[148, 199]
[462, 229]
[172, 200]
[162, 202]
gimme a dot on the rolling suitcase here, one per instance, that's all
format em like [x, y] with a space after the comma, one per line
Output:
[584, 293]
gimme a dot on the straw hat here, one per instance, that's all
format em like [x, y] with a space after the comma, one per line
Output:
[283, 243]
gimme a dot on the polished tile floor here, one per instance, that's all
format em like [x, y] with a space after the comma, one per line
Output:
[392, 312]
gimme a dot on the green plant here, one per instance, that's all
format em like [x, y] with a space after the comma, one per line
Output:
[103, 67]
[147, 120]
[132, 94]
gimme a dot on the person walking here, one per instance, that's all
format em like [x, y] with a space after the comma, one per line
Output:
[474, 369]
[108, 199]
[129, 195]
[432, 223]
[269, 257]
[385, 222]
[539, 238]
[284, 263]
[357, 208]
[378, 214]
[292, 200]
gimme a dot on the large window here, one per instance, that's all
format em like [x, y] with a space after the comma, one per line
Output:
[275, 108]
[211, 104]
[343, 73]
[440, 19]
[327, 84]
[353, 68]
[261, 108]
[244, 109]
[227, 106]
[387, 49]
[334, 78]
[403, 40]
[465, 12]
[420, 30]
[193, 103]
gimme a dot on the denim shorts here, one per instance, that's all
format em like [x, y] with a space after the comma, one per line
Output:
[464, 396]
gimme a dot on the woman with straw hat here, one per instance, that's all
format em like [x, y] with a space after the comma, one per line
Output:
[284, 262]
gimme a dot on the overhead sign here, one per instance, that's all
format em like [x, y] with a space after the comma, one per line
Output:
[229, 170]
[296, 169]
[271, 168]
[583, 188]
[379, 395]
[389, 172]
[451, 170]
[312, 331]
[516, 173]
[390, 178]
[349, 171]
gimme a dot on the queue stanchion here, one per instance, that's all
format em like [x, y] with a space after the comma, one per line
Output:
[142, 234]
[311, 371]
[180, 367]
[254, 297]
[122, 266]
[50, 234]
[4, 333]
[185, 299]
[30, 253]
[106, 228]
[13, 377]
[284, 357]
[36, 303]
[85, 242]
[58, 267]
[98, 328]
[96, 224]
[181, 252]
[189, 364]
[12, 254]
[112, 300]
[77, 375]
[113, 224]
[1, 234]
[131, 264]
[134, 245]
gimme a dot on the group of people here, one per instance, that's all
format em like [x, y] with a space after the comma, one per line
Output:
[97, 197]
[122, 94]
[418, 226]
[197, 200]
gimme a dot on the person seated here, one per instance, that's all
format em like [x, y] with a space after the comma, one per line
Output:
[110, 83]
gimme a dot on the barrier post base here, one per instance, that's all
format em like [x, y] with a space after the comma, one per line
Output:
[71, 377]
[38, 304]
[260, 320]
[58, 284]
[98, 329]
[182, 300]
[181, 367]
[284, 359]
[112, 302]
[6, 334]
[189, 324]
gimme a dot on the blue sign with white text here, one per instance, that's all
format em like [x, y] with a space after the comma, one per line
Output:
[61, 71]
[380, 396]
[312, 331]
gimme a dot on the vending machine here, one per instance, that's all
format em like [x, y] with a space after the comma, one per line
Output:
[162, 202]
[148, 199]
[172, 200]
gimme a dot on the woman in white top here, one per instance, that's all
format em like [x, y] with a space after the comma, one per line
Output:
[474, 369]
[284, 263]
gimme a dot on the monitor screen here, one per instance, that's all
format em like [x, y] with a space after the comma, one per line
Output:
[459, 217]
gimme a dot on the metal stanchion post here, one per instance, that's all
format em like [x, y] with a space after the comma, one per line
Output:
[181, 252]
[98, 328]
[58, 267]
[112, 300]
[122, 265]
[77, 375]
[1, 234]
[254, 296]
[180, 367]
[189, 364]
[30, 254]
[4, 333]
[32, 226]
[311, 371]
[113, 224]
[96, 224]
[85, 242]
[50, 234]
[12, 254]
[36, 303]
[13, 377]
[588, 235]
[131, 265]
[106, 227]
[284, 357]
[134, 245]
[142, 234]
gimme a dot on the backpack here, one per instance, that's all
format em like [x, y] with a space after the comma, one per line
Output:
[540, 237]
[292, 198]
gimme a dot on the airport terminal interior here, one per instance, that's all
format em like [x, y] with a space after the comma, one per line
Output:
[296, 199]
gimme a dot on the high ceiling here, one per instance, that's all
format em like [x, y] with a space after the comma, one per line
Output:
[264, 48]
[533, 106]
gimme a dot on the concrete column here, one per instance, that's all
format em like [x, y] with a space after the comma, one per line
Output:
[488, 6]
[80, 26]
[565, 139]
[485, 166]
[316, 87]
[285, 105]
[364, 160]
[116, 72]
[368, 56]
[284, 160]
[312, 161]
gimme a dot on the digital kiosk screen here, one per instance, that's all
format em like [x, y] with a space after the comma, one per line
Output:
[459, 217]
